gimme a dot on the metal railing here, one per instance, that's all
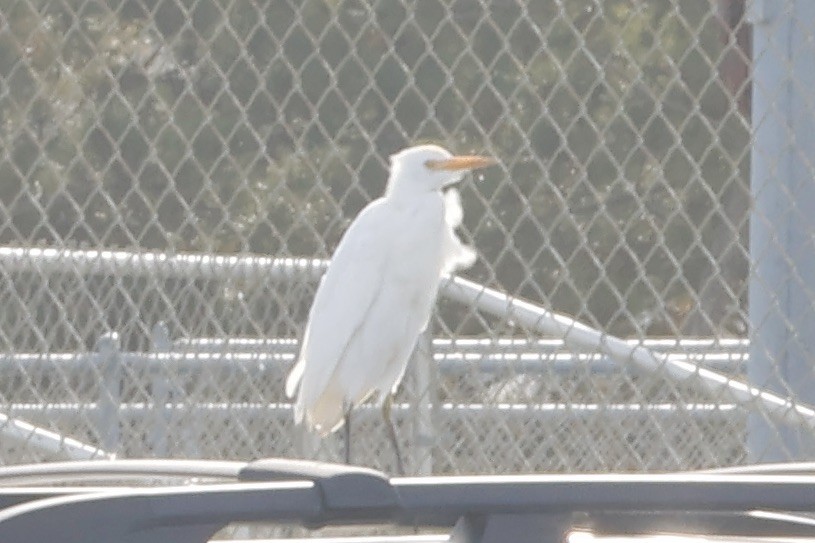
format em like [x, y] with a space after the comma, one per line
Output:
[134, 391]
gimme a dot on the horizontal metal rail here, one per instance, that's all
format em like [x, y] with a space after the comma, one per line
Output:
[498, 355]
[527, 357]
[49, 261]
[472, 410]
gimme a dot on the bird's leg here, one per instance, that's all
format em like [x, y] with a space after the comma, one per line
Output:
[348, 436]
[386, 414]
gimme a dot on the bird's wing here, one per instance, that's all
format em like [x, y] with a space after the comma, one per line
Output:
[344, 297]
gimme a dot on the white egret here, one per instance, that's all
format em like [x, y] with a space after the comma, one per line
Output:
[378, 292]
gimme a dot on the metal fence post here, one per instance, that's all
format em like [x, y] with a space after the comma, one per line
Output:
[425, 400]
[160, 392]
[782, 349]
[110, 395]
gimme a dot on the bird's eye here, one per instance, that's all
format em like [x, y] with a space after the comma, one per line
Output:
[433, 164]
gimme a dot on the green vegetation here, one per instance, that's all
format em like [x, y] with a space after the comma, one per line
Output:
[264, 126]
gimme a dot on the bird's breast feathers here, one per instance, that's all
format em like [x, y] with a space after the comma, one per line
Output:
[373, 301]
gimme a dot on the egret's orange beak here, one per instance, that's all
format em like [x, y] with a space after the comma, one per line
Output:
[464, 162]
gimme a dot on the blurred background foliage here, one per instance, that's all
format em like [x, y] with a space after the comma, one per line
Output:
[264, 126]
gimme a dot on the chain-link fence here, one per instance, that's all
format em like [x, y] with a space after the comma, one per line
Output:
[173, 132]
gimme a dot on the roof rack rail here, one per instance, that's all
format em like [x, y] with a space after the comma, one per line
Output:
[770, 500]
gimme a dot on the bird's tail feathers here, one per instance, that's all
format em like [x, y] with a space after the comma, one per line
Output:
[326, 414]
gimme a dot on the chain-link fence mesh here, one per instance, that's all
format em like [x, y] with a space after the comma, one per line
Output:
[224, 127]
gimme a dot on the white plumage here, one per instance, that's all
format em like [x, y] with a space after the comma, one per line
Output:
[378, 292]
